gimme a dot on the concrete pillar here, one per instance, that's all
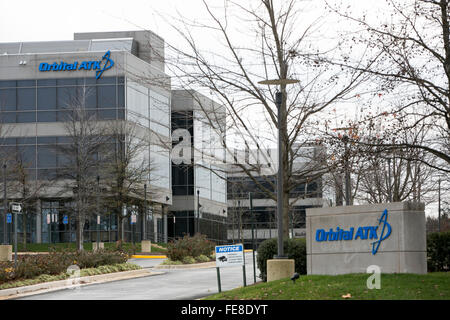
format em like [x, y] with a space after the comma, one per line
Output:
[5, 252]
[280, 268]
[38, 222]
[123, 230]
[96, 246]
[165, 211]
[146, 246]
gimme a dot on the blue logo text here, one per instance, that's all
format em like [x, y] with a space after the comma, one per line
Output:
[100, 66]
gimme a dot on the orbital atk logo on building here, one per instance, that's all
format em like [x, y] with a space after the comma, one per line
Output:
[362, 233]
[100, 66]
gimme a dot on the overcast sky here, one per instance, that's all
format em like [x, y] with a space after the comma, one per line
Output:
[48, 20]
[28, 20]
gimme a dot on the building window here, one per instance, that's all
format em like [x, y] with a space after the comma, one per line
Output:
[46, 157]
[106, 97]
[8, 99]
[46, 116]
[26, 117]
[26, 99]
[46, 98]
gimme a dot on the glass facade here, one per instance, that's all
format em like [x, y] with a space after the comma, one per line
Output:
[264, 217]
[183, 174]
[239, 187]
[49, 100]
[200, 176]
[151, 109]
[210, 178]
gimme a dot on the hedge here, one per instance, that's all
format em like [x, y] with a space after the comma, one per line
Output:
[187, 246]
[438, 251]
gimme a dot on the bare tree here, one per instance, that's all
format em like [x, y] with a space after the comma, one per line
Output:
[7, 156]
[278, 49]
[410, 73]
[25, 188]
[127, 169]
[81, 159]
[380, 174]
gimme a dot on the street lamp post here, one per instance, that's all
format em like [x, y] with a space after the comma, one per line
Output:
[279, 99]
[250, 199]
[389, 180]
[281, 128]
[439, 205]
[5, 206]
[144, 223]
[347, 173]
[198, 212]
[240, 223]
[98, 213]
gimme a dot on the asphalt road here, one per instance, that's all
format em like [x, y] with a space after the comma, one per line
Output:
[174, 284]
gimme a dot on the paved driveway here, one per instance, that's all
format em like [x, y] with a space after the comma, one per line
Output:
[183, 284]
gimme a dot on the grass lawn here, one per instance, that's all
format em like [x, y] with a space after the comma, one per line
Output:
[435, 286]
[44, 247]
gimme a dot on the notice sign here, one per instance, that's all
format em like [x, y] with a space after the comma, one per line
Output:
[230, 255]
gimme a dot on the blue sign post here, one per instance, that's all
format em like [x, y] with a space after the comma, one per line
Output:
[65, 220]
[8, 218]
[230, 256]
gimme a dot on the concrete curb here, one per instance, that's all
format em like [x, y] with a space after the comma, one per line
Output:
[162, 256]
[69, 283]
[202, 265]
[143, 256]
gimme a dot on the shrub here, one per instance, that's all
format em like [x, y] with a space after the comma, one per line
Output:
[170, 262]
[56, 262]
[89, 259]
[189, 247]
[438, 251]
[188, 260]
[293, 248]
[202, 258]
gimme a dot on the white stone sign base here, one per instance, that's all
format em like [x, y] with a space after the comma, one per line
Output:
[280, 268]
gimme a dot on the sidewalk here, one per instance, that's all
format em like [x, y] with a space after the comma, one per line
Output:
[73, 283]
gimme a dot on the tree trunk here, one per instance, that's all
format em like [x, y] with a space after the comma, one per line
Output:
[80, 231]
[286, 215]
[24, 228]
[119, 226]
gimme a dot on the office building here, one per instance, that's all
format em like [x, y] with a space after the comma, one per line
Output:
[122, 78]
[198, 175]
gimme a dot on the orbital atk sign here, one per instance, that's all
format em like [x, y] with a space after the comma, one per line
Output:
[99, 66]
[362, 233]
